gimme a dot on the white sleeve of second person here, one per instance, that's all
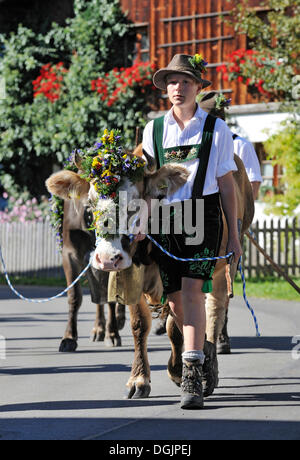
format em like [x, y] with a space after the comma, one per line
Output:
[148, 139]
[248, 155]
[224, 146]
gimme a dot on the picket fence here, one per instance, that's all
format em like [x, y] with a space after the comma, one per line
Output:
[30, 249]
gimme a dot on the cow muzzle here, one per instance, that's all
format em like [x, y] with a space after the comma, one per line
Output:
[111, 264]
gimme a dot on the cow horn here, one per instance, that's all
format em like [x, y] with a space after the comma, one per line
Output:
[151, 163]
[77, 159]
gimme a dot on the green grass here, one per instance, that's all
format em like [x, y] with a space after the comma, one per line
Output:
[268, 288]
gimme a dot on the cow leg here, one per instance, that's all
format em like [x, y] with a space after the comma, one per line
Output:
[138, 385]
[98, 331]
[175, 361]
[120, 314]
[216, 303]
[112, 338]
[223, 345]
[69, 340]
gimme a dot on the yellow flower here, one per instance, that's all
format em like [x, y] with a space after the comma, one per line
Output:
[95, 162]
[198, 58]
[111, 137]
[105, 136]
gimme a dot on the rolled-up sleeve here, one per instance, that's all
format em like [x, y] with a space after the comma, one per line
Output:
[224, 145]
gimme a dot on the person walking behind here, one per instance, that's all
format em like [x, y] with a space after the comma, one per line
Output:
[215, 103]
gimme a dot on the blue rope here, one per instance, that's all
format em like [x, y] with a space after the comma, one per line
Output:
[245, 297]
[216, 258]
[131, 236]
[188, 260]
[41, 300]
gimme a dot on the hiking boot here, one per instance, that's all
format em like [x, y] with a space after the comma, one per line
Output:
[191, 385]
[223, 344]
[210, 369]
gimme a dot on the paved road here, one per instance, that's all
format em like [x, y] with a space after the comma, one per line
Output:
[48, 395]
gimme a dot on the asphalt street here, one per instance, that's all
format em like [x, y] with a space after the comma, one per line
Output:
[79, 396]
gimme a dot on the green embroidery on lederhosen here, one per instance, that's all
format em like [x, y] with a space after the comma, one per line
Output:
[203, 268]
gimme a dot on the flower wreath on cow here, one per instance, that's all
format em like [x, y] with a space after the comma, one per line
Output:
[105, 167]
[97, 175]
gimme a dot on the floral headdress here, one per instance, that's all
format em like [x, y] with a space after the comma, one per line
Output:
[104, 165]
[198, 63]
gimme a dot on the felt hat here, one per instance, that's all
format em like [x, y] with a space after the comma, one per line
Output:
[185, 64]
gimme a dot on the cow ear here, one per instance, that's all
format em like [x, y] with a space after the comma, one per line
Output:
[166, 180]
[68, 185]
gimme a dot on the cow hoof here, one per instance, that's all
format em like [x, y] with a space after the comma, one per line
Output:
[138, 392]
[68, 346]
[112, 341]
[175, 379]
[175, 369]
[97, 335]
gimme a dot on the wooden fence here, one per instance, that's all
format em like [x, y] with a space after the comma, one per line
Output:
[30, 249]
[280, 239]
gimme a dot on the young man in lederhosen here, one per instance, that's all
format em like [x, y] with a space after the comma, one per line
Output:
[203, 144]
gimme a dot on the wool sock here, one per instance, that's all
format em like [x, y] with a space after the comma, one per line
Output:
[193, 355]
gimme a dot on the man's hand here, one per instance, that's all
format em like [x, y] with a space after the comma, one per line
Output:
[234, 246]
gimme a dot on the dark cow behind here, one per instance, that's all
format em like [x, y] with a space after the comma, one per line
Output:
[78, 243]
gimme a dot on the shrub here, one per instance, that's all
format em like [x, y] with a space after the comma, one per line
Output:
[50, 107]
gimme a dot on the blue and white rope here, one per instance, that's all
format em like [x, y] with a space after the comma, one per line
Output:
[188, 260]
[131, 237]
[216, 258]
[245, 297]
[18, 294]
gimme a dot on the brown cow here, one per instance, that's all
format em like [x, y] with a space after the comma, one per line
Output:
[116, 254]
[78, 242]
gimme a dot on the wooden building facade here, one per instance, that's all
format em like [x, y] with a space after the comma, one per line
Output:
[168, 27]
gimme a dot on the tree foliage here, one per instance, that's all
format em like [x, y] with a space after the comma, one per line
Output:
[283, 148]
[272, 70]
[275, 38]
[37, 132]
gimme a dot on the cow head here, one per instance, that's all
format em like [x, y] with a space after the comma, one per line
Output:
[115, 248]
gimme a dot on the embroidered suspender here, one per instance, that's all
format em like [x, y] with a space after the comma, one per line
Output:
[203, 153]
[158, 131]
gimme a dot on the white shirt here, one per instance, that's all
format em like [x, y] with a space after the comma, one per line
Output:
[221, 159]
[245, 150]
